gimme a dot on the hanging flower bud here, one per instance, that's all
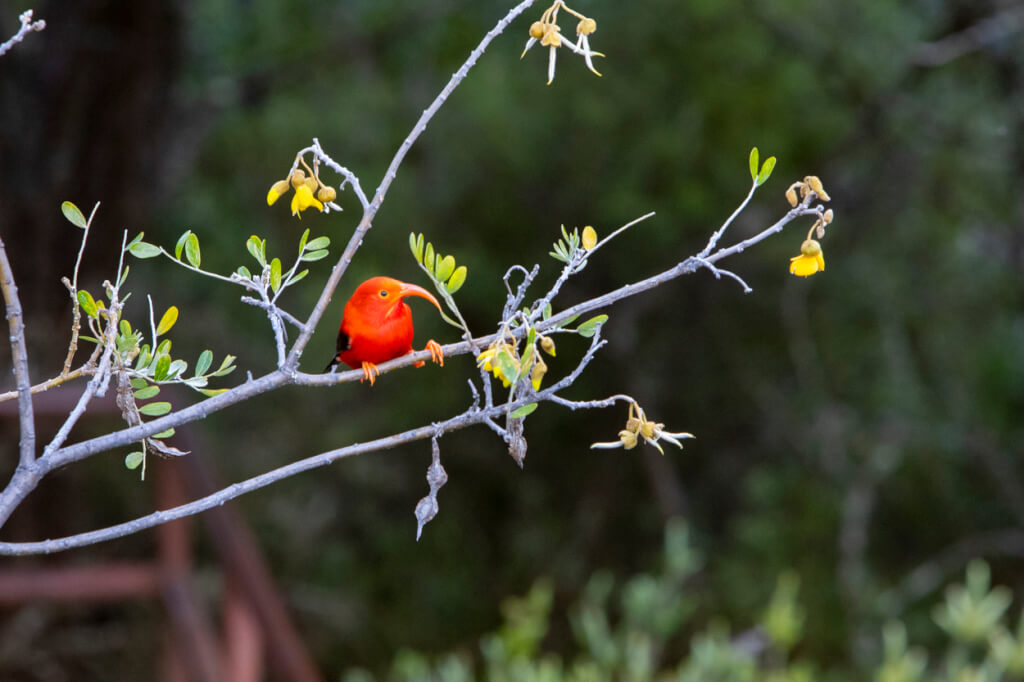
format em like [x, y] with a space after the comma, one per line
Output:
[586, 26]
[589, 238]
[791, 195]
[548, 345]
[537, 30]
[327, 194]
[298, 177]
[276, 190]
[537, 373]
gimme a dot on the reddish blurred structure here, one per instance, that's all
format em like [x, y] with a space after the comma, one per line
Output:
[255, 626]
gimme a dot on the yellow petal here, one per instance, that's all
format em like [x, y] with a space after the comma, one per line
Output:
[821, 262]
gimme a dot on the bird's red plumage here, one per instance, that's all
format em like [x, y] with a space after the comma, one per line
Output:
[376, 324]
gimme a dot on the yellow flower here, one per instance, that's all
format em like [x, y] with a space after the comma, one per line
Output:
[810, 260]
[303, 199]
[484, 362]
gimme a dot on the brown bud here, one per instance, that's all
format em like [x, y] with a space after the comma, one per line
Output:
[327, 195]
[298, 177]
[311, 183]
[628, 439]
[537, 30]
[548, 345]
[633, 424]
[791, 195]
[586, 26]
[827, 217]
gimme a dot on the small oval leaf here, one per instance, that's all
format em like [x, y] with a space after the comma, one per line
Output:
[445, 268]
[275, 274]
[253, 246]
[181, 244]
[204, 362]
[167, 321]
[457, 279]
[318, 243]
[428, 258]
[754, 163]
[144, 250]
[164, 434]
[589, 328]
[87, 302]
[192, 254]
[766, 170]
[147, 392]
[133, 459]
[311, 256]
[73, 215]
[155, 409]
[163, 364]
[302, 241]
[524, 411]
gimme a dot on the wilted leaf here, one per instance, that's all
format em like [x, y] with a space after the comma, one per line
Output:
[73, 215]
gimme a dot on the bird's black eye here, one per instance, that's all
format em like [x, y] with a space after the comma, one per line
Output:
[383, 293]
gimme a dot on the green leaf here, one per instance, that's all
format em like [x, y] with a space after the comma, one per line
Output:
[547, 310]
[93, 339]
[311, 256]
[164, 347]
[589, 328]
[212, 391]
[226, 367]
[428, 258]
[164, 434]
[138, 383]
[197, 382]
[445, 268]
[167, 321]
[176, 369]
[163, 364]
[505, 364]
[73, 215]
[192, 254]
[126, 327]
[141, 362]
[181, 244]
[766, 170]
[297, 276]
[302, 241]
[124, 276]
[253, 246]
[87, 302]
[318, 243]
[244, 273]
[135, 240]
[155, 409]
[754, 162]
[412, 245]
[457, 279]
[275, 274]
[133, 459]
[144, 250]
[147, 392]
[204, 362]
[524, 411]
[419, 247]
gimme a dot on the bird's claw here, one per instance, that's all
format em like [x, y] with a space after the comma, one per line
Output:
[436, 352]
[370, 372]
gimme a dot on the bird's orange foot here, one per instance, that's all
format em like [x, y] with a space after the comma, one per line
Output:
[370, 372]
[436, 354]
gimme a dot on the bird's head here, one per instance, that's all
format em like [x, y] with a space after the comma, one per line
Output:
[381, 297]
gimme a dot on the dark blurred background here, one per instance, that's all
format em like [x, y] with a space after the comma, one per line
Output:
[851, 426]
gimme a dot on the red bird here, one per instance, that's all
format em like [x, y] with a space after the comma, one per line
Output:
[376, 326]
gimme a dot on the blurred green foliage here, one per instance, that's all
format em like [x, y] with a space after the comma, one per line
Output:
[861, 428]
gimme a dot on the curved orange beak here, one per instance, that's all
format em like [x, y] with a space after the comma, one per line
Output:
[413, 290]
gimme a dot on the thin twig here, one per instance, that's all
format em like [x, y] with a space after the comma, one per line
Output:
[19, 360]
[27, 26]
[371, 210]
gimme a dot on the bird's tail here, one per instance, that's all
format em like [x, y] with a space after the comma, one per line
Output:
[332, 364]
